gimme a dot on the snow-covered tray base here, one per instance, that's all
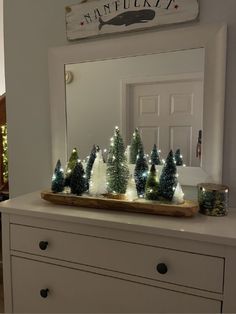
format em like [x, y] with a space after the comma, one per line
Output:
[187, 209]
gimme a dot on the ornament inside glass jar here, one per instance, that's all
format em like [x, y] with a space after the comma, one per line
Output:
[213, 199]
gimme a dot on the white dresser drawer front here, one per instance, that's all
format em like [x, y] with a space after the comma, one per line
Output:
[71, 290]
[186, 269]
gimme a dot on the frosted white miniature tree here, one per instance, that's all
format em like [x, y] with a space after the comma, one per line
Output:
[97, 185]
[178, 197]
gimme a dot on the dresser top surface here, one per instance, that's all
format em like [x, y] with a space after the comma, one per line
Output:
[221, 230]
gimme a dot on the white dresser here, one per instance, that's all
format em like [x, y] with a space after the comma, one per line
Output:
[64, 259]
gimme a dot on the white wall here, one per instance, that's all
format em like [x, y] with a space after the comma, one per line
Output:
[2, 67]
[87, 111]
[31, 27]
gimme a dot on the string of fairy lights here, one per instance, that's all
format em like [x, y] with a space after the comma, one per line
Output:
[4, 153]
[113, 175]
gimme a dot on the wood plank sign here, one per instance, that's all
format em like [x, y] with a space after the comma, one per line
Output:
[112, 16]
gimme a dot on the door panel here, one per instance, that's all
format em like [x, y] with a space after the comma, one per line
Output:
[175, 109]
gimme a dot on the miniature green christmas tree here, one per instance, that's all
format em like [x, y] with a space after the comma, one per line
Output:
[168, 179]
[140, 173]
[136, 145]
[178, 158]
[117, 168]
[152, 186]
[155, 157]
[77, 180]
[58, 179]
[71, 165]
[90, 163]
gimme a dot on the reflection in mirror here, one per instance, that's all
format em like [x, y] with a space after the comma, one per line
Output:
[160, 94]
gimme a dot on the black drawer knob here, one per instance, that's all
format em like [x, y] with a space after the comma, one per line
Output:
[43, 245]
[44, 293]
[162, 268]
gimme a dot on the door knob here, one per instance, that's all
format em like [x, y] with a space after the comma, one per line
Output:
[162, 268]
[43, 245]
[44, 293]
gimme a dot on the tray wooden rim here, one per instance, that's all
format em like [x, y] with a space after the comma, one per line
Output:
[187, 209]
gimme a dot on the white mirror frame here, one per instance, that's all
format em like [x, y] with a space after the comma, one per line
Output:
[212, 37]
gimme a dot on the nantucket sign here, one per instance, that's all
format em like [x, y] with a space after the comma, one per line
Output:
[111, 16]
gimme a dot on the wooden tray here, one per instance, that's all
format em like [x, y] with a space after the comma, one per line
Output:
[187, 209]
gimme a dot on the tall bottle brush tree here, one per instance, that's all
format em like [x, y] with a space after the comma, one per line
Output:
[78, 180]
[152, 185]
[168, 178]
[141, 173]
[136, 145]
[117, 168]
[58, 179]
[90, 163]
[71, 165]
[155, 157]
[178, 158]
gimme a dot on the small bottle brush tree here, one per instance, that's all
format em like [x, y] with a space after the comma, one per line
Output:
[58, 179]
[178, 197]
[178, 158]
[136, 145]
[71, 165]
[77, 180]
[155, 157]
[152, 185]
[97, 184]
[117, 168]
[168, 178]
[90, 163]
[140, 173]
[131, 191]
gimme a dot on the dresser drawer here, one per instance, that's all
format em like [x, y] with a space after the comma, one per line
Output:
[71, 290]
[186, 269]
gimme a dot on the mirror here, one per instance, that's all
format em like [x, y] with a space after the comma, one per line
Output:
[160, 94]
[132, 52]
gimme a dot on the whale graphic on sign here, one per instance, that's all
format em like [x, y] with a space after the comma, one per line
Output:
[129, 18]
